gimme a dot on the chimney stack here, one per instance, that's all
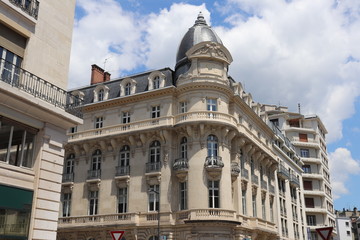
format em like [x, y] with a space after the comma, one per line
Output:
[98, 75]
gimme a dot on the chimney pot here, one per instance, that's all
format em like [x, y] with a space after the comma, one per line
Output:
[97, 74]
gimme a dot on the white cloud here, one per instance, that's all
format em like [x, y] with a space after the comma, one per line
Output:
[342, 165]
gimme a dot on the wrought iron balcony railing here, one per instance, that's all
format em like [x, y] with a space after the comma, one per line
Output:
[294, 180]
[254, 179]
[214, 162]
[67, 177]
[271, 189]
[122, 170]
[181, 164]
[283, 171]
[263, 184]
[39, 88]
[94, 174]
[244, 173]
[31, 7]
[153, 167]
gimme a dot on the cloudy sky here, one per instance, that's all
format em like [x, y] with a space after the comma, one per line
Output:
[285, 52]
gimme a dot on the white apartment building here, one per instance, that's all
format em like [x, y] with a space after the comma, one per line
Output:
[35, 41]
[183, 154]
[343, 227]
[307, 134]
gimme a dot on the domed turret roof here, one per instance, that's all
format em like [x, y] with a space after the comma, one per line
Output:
[200, 32]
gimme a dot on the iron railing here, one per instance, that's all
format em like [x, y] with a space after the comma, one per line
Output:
[153, 167]
[94, 174]
[254, 179]
[244, 173]
[39, 88]
[31, 7]
[263, 184]
[283, 171]
[181, 164]
[68, 177]
[214, 161]
[122, 170]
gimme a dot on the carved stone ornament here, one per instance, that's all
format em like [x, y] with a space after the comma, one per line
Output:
[212, 49]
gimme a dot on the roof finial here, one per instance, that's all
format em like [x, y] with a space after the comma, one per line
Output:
[200, 19]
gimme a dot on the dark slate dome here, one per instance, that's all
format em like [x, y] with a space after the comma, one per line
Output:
[200, 32]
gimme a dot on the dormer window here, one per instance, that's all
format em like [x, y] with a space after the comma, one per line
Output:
[101, 93]
[127, 87]
[156, 80]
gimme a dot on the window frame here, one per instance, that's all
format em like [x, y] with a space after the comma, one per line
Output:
[154, 198]
[66, 205]
[214, 193]
[183, 195]
[122, 200]
[155, 111]
[93, 203]
[212, 146]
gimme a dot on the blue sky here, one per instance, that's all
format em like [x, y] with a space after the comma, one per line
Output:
[285, 52]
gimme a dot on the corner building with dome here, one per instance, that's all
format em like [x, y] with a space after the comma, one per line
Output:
[180, 154]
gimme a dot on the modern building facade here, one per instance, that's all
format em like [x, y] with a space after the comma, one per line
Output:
[35, 41]
[307, 134]
[186, 151]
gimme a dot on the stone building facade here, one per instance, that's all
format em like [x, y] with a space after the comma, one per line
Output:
[186, 151]
[35, 40]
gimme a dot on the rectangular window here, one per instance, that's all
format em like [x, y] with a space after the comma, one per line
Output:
[347, 224]
[308, 185]
[263, 208]
[93, 202]
[304, 153]
[99, 122]
[66, 204]
[275, 122]
[183, 107]
[155, 111]
[311, 220]
[154, 192]
[214, 194]
[17, 144]
[183, 195]
[254, 205]
[122, 200]
[243, 201]
[303, 137]
[306, 168]
[125, 117]
[348, 233]
[211, 104]
[10, 68]
[272, 210]
[309, 202]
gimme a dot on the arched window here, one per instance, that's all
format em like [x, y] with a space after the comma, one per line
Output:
[69, 164]
[183, 148]
[155, 152]
[101, 95]
[96, 160]
[156, 82]
[127, 89]
[212, 146]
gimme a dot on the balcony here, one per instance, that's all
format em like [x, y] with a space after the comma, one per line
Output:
[254, 179]
[244, 174]
[283, 172]
[181, 168]
[214, 165]
[153, 167]
[68, 177]
[315, 209]
[206, 215]
[294, 180]
[39, 88]
[235, 170]
[94, 174]
[122, 171]
[313, 175]
[206, 116]
[263, 185]
[271, 189]
[31, 7]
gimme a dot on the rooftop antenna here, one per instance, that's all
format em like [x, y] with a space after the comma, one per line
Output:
[105, 62]
[299, 108]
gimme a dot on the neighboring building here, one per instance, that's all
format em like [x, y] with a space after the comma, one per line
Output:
[343, 226]
[35, 40]
[348, 224]
[307, 134]
[191, 144]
